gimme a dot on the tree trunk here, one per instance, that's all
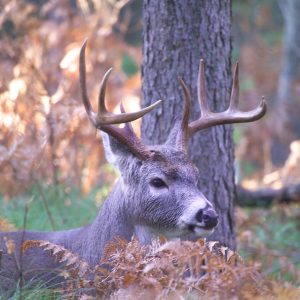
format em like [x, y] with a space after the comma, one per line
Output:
[291, 55]
[287, 107]
[176, 35]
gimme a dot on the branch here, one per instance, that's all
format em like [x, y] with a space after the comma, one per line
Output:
[267, 197]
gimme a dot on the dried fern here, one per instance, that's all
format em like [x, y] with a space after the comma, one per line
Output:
[74, 266]
[6, 226]
[163, 270]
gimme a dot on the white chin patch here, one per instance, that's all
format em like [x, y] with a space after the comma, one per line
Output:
[200, 232]
[145, 233]
[183, 233]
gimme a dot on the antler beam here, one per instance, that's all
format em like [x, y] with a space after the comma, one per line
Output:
[104, 119]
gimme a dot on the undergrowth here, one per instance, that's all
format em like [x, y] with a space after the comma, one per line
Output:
[162, 270]
[268, 240]
[68, 208]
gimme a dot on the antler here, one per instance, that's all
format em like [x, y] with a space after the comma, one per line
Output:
[208, 118]
[104, 119]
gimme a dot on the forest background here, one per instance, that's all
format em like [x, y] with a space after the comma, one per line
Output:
[52, 161]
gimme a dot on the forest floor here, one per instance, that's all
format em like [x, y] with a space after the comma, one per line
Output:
[267, 238]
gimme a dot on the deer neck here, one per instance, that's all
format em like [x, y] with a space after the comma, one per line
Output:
[112, 221]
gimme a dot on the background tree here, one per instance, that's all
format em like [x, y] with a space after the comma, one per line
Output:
[290, 68]
[287, 104]
[176, 35]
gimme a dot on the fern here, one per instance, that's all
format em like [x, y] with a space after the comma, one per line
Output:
[164, 269]
[74, 266]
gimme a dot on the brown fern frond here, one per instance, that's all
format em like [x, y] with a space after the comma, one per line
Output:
[182, 267]
[6, 226]
[71, 261]
[164, 270]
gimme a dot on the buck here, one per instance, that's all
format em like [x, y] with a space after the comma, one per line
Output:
[156, 194]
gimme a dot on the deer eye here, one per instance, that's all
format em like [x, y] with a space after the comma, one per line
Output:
[158, 183]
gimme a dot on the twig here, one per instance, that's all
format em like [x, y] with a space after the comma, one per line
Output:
[44, 200]
[51, 140]
[49, 122]
[268, 196]
[21, 252]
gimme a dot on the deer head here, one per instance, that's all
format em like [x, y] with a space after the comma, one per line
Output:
[158, 191]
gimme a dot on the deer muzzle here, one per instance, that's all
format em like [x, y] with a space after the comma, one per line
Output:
[207, 217]
[199, 219]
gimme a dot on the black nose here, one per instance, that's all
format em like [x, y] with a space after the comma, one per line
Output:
[209, 217]
[199, 215]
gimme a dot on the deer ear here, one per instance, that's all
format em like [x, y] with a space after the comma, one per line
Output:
[176, 137]
[114, 150]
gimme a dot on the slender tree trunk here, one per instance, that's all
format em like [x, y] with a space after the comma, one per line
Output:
[287, 107]
[176, 35]
[291, 55]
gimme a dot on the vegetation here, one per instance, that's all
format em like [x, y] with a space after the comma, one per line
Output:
[268, 242]
[53, 171]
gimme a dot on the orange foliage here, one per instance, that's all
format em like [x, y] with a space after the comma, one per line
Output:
[162, 270]
[44, 132]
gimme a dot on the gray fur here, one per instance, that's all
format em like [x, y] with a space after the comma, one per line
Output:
[134, 207]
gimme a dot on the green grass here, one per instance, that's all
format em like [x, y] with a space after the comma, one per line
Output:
[38, 292]
[274, 241]
[68, 208]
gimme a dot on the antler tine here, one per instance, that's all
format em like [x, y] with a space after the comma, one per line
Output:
[82, 79]
[101, 100]
[202, 95]
[187, 107]
[231, 115]
[235, 91]
[105, 117]
[183, 130]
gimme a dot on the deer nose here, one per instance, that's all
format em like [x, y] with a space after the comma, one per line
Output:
[209, 217]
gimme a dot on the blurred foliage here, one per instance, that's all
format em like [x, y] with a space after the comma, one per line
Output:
[257, 44]
[255, 18]
[44, 131]
[270, 238]
[286, 175]
[129, 66]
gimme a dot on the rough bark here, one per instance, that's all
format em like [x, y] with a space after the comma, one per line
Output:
[176, 35]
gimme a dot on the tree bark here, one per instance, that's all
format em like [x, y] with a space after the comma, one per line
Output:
[176, 35]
